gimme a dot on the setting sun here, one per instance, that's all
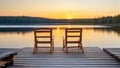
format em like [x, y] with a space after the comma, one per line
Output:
[69, 17]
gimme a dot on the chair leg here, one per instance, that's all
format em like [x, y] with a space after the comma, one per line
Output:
[51, 50]
[35, 47]
[78, 46]
[82, 48]
[51, 47]
[63, 44]
[66, 48]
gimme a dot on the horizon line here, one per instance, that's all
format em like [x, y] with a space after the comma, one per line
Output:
[54, 18]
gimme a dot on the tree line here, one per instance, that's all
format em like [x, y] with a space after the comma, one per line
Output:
[26, 20]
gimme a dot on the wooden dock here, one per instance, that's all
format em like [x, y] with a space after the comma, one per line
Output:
[93, 57]
[115, 52]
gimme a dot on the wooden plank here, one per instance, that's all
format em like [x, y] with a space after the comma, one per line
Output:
[60, 67]
[42, 31]
[115, 52]
[72, 41]
[42, 36]
[86, 65]
[68, 61]
[72, 36]
[43, 42]
[73, 31]
[93, 57]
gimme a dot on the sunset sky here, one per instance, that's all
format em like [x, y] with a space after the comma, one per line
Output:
[60, 9]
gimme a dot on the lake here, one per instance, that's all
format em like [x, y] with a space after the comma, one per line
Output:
[93, 36]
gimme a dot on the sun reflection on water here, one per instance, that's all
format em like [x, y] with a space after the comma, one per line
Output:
[69, 26]
[91, 37]
[58, 29]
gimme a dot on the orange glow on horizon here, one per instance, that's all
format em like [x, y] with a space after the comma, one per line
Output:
[60, 9]
[69, 17]
[75, 15]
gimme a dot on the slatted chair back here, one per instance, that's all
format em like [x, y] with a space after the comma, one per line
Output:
[75, 33]
[43, 33]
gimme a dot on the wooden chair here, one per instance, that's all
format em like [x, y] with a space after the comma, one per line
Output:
[40, 36]
[73, 33]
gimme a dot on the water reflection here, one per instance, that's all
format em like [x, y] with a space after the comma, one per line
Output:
[27, 30]
[108, 30]
[92, 37]
[15, 30]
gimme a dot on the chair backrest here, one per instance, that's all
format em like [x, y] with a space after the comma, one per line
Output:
[73, 33]
[43, 33]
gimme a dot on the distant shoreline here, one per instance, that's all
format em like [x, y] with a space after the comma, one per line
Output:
[26, 20]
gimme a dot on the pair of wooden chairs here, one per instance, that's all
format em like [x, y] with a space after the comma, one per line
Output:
[45, 36]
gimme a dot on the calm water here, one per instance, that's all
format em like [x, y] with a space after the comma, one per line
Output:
[93, 36]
